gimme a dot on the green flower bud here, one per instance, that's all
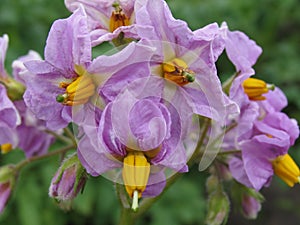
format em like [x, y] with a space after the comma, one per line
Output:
[15, 89]
[218, 207]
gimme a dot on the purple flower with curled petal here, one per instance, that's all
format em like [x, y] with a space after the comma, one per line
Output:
[142, 130]
[107, 19]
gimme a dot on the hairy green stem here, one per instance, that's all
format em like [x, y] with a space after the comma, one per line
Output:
[27, 161]
[70, 134]
[59, 137]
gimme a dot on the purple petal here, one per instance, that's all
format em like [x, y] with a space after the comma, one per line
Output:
[99, 36]
[94, 160]
[242, 51]
[257, 163]
[3, 49]
[156, 184]
[147, 124]
[69, 43]
[33, 141]
[157, 14]
[113, 73]
[108, 137]
[174, 159]
[8, 135]
[8, 113]
[281, 121]
[42, 83]
[19, 67]
[275, 101]
[237, 92]
[236, 167]
[98, 12]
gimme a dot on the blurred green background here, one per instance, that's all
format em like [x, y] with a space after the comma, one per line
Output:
[273, 24]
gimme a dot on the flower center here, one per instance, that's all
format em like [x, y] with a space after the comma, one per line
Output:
[6, 148]
[136, 171]
[255, 88]
[286, 168]
[118, 18]
[78, 91]
[177, 71]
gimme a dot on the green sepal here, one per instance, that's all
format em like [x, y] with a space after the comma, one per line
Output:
[227, 84]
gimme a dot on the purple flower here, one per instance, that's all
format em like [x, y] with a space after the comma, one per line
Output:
[68, 180]
[269, 140]
[144, 126]
[62, 88]
[52, 84]
[107, 19]
[187, 58]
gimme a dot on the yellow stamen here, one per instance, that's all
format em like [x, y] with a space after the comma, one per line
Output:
[78, 91]
[136, 171]
[255, 88]
[118, 18]
[177, 71]
[6, 148]
[269, 135]
[286, 168]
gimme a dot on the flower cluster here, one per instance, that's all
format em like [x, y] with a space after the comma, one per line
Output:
[149, 108]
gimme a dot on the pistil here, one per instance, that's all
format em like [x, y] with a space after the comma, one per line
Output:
[177, 71]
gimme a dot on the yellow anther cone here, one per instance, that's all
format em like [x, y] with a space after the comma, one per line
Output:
[136, 171]
[255, 88]
[286, 168]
